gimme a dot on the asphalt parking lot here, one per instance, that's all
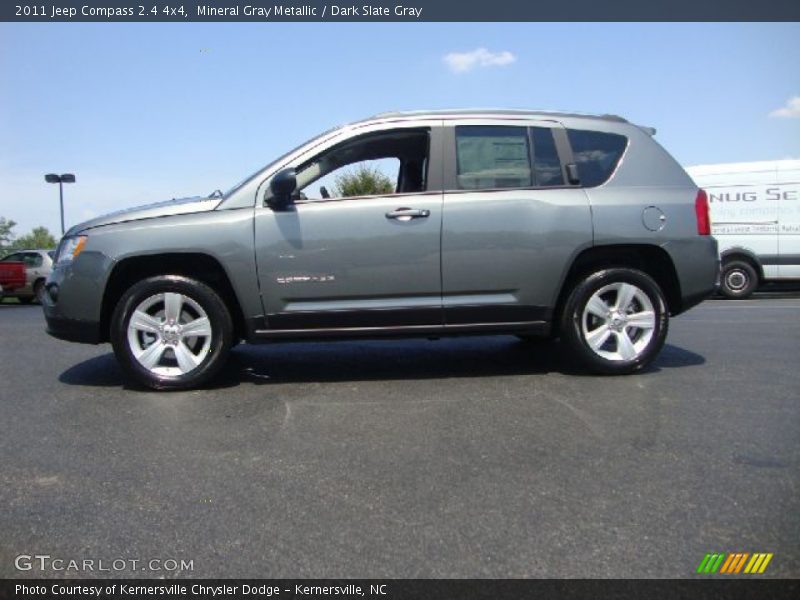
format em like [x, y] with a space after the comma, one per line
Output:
[470, 457]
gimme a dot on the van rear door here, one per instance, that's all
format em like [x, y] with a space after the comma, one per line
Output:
[788, 193]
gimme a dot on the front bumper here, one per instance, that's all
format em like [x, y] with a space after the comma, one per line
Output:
[72, 301]
[73, 330]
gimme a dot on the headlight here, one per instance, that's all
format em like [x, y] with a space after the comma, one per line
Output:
[70, 248]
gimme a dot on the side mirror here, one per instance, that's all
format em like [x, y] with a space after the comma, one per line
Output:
[282, 187]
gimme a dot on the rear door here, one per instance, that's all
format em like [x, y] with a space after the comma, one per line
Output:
[511, 222]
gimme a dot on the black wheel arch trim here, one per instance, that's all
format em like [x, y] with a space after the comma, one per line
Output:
[170, 263]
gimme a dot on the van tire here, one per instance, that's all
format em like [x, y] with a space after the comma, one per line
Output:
[738, 280]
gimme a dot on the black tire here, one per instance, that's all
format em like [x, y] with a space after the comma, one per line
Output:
[575, 318]
[206, 299]
[38, 291]
[738, 280]
[25, 299]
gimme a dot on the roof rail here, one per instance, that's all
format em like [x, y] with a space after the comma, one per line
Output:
[495, 111]
[617, 118]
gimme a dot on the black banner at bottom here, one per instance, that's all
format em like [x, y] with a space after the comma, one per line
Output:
[398, 589]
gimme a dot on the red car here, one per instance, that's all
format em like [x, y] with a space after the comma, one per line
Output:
[23, 274]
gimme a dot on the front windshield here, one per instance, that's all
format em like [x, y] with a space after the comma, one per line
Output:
[248, 179]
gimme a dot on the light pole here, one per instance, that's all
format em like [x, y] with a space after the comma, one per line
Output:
[60, 180]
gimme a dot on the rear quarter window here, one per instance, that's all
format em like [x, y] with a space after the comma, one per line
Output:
[33, 260]
[596, 154]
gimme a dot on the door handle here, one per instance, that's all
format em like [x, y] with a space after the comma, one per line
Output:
[406, 214]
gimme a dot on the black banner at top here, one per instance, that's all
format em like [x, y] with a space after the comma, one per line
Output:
[261, 11]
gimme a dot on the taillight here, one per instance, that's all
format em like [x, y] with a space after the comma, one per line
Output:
[701, 211]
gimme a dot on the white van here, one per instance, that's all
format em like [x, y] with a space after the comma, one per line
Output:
[755, 216]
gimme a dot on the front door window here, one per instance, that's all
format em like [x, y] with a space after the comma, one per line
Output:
[379, 164]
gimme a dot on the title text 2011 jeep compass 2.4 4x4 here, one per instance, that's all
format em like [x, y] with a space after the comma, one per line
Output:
[527, 223]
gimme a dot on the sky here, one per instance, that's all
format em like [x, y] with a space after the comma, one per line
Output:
[144, 112]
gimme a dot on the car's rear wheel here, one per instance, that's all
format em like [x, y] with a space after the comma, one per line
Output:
[615, 320]
[738, 280]
[171, 332]
[25, 299]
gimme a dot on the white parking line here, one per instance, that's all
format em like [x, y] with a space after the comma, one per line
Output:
[755, 303]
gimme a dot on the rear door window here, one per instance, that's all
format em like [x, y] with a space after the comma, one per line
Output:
[492, 157]
[596, 154]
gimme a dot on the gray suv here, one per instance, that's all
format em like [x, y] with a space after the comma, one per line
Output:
[537, 224]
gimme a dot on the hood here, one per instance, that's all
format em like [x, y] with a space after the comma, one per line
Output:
[179, 206]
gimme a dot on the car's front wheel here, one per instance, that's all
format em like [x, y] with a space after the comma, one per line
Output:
[615, 320]
[171, 332]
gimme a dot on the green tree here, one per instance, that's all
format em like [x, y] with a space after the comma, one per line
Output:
[40, 237]
[363, 181]
[6, 235]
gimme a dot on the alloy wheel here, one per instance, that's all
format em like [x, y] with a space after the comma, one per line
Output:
[618, 322]
[169, 334]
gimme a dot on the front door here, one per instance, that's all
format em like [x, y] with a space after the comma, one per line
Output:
[360, 246]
